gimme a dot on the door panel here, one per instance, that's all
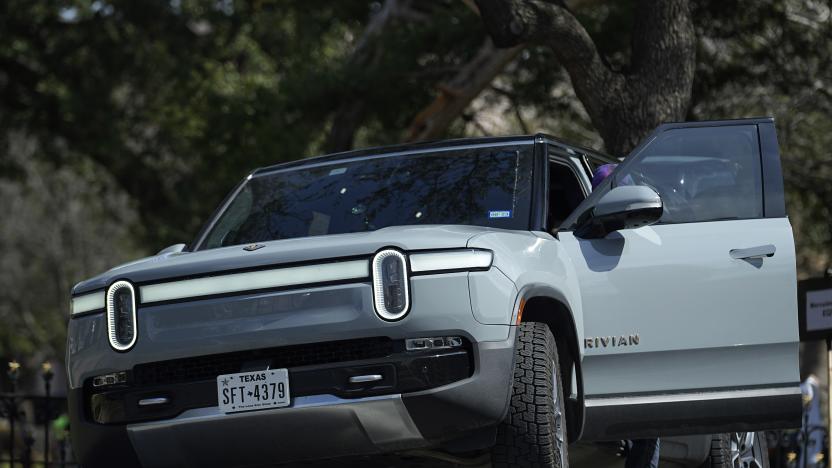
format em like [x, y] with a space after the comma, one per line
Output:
[679, 290]
[672, 321]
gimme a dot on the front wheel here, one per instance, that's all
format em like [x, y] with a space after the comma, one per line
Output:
[533, 432]
[738, 450]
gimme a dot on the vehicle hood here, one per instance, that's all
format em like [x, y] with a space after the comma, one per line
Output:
[286, 251]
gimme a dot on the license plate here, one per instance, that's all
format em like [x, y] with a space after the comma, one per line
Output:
[249, 391]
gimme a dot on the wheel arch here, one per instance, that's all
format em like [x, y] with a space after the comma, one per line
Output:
[547, 306]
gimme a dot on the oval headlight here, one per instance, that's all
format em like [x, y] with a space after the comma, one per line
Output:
[121, 315]
[391, 291]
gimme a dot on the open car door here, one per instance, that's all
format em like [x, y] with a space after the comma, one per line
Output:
[690, 324]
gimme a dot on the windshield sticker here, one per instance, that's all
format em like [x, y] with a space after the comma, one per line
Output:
[338, 171]
[499, 214]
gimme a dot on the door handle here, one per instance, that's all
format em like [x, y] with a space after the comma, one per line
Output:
[759, 251]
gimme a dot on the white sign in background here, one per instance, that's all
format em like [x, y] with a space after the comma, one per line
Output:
[819, 310]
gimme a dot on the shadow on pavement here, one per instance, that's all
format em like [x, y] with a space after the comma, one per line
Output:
[580, 456]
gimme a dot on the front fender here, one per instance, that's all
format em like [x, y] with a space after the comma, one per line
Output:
[538, 266]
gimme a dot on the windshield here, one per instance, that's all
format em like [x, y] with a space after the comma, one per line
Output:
[480, 186]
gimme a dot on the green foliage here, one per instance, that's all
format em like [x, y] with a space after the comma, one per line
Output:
[60, 225]
[179, 100]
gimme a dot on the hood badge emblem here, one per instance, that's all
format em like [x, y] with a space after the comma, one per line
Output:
[253, 247]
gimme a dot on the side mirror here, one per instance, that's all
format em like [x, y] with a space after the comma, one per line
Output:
[175, 248]
[624, 207]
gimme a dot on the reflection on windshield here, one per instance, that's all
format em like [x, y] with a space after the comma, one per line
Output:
[483, 186]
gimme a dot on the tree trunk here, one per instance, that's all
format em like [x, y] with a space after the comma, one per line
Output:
[626, 105]
[346, 121]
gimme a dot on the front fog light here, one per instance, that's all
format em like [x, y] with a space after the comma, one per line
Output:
[439, 342]
[109, 379]
[391, 292]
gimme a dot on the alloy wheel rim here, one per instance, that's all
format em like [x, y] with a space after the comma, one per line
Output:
[745, 451]
[559, 431]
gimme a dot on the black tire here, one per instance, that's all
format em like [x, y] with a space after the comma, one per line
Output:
[533, 433]
[732, 451]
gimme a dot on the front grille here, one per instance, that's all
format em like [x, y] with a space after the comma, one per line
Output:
[209, 367]
[402, 372]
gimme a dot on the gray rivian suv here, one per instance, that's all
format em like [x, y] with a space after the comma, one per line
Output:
[459, 297]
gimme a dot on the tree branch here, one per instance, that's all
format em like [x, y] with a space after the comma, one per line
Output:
[455, 94]
[623, 107]
[512, 22]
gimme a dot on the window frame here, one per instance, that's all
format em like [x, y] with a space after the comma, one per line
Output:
[576, 157]
[573, 164]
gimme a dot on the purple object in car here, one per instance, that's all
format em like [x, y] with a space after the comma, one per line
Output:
[601, 173]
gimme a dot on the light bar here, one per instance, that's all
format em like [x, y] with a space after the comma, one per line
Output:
[87, 303]
[253, 280]
[467, 259]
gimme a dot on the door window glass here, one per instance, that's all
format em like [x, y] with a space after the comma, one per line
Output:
[701, 173]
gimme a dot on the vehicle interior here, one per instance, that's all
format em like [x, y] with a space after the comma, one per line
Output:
[565, 194]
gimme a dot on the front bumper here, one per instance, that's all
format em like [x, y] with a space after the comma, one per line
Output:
[313, 427]
[325, 420]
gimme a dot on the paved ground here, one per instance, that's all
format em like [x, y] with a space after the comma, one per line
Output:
[580, 456]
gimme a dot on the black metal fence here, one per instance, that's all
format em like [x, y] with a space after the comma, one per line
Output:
[799, 448]
[37, 426]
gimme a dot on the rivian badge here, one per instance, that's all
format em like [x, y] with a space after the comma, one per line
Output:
[253, 247]
[611, 341]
